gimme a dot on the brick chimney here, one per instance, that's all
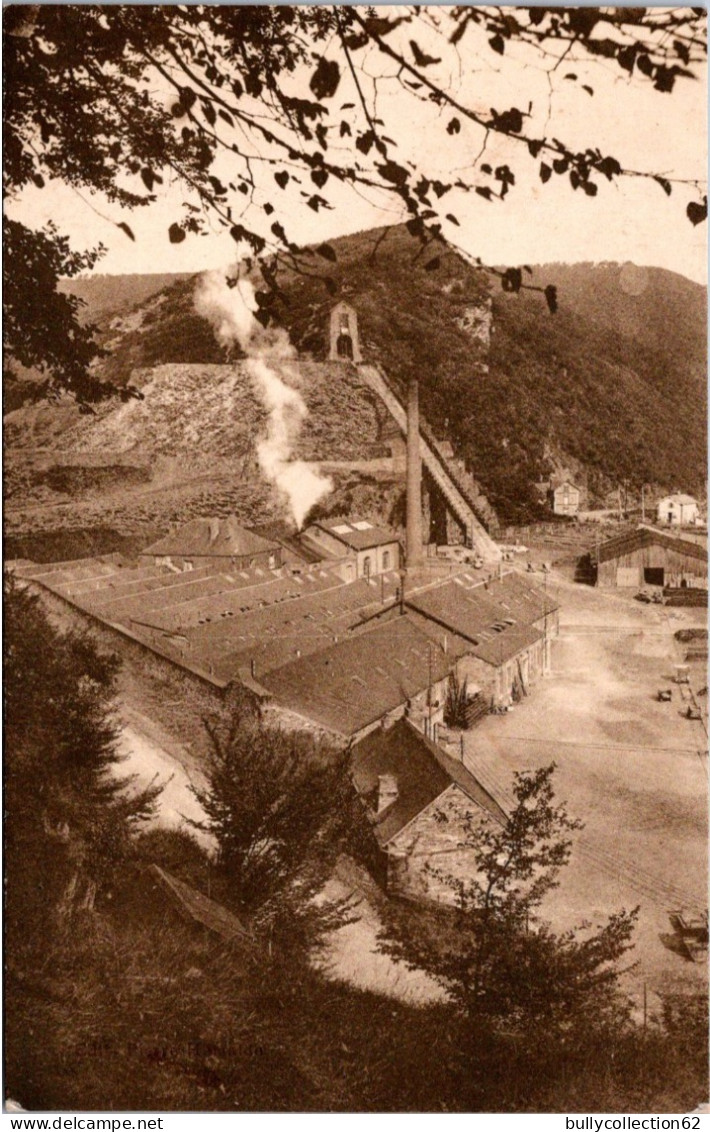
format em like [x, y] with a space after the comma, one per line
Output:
[414, 478]
[387, 792]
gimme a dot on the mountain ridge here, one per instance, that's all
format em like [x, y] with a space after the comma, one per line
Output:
[614, 381]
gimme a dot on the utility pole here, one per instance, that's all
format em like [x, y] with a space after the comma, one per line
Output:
[429, 696]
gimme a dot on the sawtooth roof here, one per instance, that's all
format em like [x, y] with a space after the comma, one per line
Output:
[422, 772]
[496, 618]
[219, 538]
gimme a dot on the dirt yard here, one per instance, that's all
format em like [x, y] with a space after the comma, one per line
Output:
[632, 768]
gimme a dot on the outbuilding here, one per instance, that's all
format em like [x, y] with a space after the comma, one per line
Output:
[370, 548]
[214, 542]
[423, 805]
[647, 557]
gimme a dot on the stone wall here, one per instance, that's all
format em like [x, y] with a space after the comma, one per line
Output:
[178, 698]
[427, 852]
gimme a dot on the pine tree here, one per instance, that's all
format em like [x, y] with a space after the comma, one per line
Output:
[500, 962]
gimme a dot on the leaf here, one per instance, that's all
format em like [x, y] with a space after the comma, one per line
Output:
[378, 25]
[187, 97]
[509, 122]
[664, 79]
[610, 167]
[551, 298]
[696, 213]
[627, 57]
[281, 179]
[665, 185]
[534, 147]
[433, 264]
[319, 177]
[484, 191]
[147, 178]
[364, 141]
[393, 172]
[572, 77]
[175, 234]
[325, 79]
[497, 43]
[454, 126]
[420, 57]
[588, 89]
[645, 65]
[682, 50]
[345, 129]
[452, 219]
[439, 189]
[545, 172]
[209, 112]
[327, 252]
[560, 164]
[226, 117]
[590, 188]
[124, 227]
[279, 232]
[268, 208]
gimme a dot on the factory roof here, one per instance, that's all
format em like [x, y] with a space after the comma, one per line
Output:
[644, 537]
[358, 534]
[222, 538]
[422, 772]
[354, 683]
[495, 618]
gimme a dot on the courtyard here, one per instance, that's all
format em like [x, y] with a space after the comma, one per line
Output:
[632, 768]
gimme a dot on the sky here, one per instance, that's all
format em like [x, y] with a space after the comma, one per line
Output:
[631, 219]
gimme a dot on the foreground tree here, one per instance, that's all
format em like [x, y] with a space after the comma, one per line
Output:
[237, 105]
[501, 964]
[70, 815]
[281, 808]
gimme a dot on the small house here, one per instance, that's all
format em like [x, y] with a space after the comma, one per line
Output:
[565, 499]
[422, 804]
[678, 510]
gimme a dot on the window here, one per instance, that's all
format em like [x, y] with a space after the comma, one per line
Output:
[386, 560]
[367, 567]
[344, 346]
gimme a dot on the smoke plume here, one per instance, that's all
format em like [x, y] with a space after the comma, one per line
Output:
[230, 310]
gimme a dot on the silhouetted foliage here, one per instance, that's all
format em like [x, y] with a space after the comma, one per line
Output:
[86, 102]
[281, 807]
